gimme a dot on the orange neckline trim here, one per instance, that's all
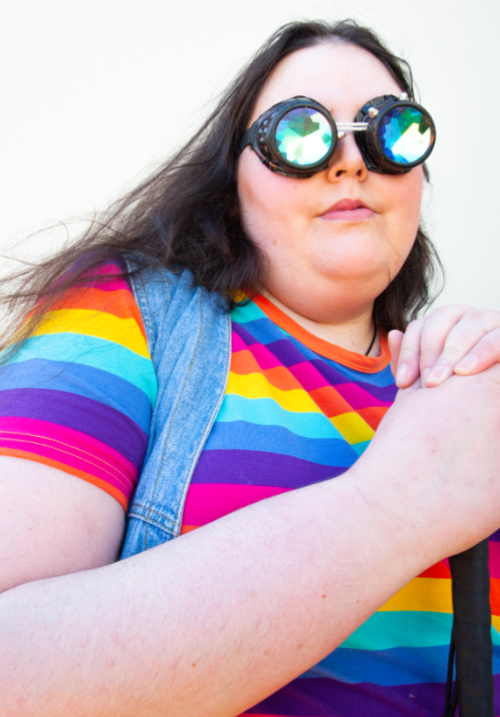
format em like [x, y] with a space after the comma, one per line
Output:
[367, 364]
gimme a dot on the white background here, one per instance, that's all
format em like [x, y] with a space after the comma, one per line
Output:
[93, 94]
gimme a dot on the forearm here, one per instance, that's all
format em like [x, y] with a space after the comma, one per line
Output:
[209, 624]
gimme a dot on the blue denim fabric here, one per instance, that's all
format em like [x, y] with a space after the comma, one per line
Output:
[189, 338]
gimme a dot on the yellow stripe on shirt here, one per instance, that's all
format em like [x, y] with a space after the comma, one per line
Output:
[124, 332]
[352, 427]
[422, 594]
[255, 385]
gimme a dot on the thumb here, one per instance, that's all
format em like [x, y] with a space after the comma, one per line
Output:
[395, 339]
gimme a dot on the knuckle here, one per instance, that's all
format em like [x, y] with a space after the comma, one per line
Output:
[414, 326]
[486, 319]
[492, 318]
[451, 309]
[488, 347]
[428, 351]
[438, 311]
[453, 352]
[476, 314]
[409, 352]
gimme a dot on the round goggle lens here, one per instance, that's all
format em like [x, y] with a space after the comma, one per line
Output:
[405, 134]
[303, 136]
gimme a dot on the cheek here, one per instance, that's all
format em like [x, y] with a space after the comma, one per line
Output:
[404, 216]
[271, 205]
[408, 196]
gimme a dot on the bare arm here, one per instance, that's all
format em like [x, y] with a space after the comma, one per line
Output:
[53, 523]
[222, 617]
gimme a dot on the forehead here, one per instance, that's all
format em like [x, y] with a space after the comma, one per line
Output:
[340, 76]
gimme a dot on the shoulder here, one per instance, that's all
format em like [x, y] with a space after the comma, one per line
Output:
[78, 393]
[170, 302]
[157, 287]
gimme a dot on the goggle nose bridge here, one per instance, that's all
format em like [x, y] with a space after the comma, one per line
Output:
[343, 127]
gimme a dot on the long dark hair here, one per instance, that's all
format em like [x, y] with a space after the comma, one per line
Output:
[186, 215]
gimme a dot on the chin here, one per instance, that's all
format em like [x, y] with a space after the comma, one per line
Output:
[360, 268]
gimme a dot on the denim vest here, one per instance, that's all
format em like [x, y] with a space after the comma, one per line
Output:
[189, 341]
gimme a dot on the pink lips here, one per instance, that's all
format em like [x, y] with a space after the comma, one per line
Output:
[348, 210]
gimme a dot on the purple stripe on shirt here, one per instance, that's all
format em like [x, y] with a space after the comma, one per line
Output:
[263, 356]
[83, 414]
[260, 468]
[332, 375]
[247, 337]
[322, 697]
[386, 394]
[338, 379]
[358, 397]
[287, 353]
[495, 536]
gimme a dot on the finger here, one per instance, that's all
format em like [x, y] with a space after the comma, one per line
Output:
[415, 386]
[409, 354]
[484, 354]
[472, 328]
[395, 339]
[436, 330]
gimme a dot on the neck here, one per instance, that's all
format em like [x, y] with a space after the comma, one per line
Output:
[353, 334]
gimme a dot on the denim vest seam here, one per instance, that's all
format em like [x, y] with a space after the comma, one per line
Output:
[151, 521]
[142, 300]
[153, 494]
[208, 428]
[148, 510]
[147, 307]
[147, 315]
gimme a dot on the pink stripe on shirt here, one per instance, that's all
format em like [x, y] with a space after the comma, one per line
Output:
[308, 376]
[263, 356]
[206, 502]
[75, 449]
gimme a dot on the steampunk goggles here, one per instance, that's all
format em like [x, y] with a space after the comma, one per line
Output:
[297, 137]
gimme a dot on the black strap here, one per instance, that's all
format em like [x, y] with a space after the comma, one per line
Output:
[375, 329]
[249, 137]
[471, 638]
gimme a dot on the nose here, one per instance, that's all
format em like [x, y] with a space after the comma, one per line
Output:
[346, 160]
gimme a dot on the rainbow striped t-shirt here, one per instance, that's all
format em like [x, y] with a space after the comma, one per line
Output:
[79, 395]
[298, 410]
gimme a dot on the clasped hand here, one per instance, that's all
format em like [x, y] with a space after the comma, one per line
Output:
[455, 339]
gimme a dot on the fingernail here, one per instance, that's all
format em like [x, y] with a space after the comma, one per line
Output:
[425, 375]
[465, 365]
[436, 374]
[402, 374]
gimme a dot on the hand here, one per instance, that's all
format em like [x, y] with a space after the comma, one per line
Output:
[452, 339]
[451, 476]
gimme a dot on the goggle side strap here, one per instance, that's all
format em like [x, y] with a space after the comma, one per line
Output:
[250, 137]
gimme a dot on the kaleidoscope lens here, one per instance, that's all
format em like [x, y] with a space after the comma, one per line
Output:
[303, 136]
[405, 134]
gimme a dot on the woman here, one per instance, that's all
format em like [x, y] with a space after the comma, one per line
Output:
[223, 620]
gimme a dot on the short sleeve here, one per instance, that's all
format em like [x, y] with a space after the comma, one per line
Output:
[78, 395]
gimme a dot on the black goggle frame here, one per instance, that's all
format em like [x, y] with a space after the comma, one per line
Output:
[261, 136]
